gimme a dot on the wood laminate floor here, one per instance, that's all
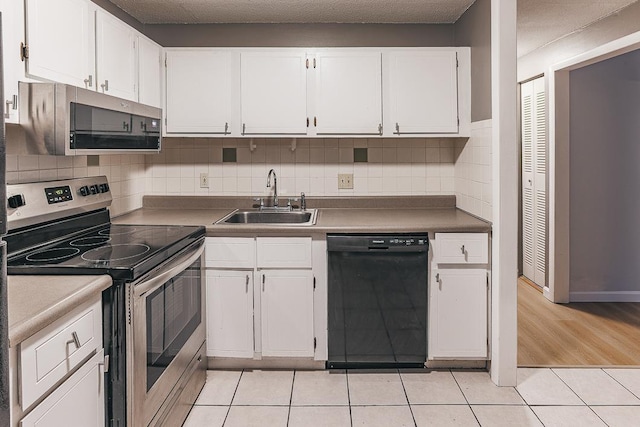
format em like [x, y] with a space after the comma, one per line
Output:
[575, 334]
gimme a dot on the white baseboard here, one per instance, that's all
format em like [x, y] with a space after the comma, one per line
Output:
[605, 296]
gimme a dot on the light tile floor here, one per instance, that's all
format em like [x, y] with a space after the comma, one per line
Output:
[543, 397]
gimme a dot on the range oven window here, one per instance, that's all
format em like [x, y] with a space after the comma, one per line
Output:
[173, 314]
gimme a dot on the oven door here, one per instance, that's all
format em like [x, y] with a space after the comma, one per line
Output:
[166, 331]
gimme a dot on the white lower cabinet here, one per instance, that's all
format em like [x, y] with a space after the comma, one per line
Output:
[260, 304]
[458, 314]
[77, 402]
[458, 297]
[287, 313]
[230, 313]
[58, 372]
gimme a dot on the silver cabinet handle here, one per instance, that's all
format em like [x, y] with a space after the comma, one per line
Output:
[105, 86]
[76, 340]
[463, 250]
[88, 82]
[13, 103]
[437, 277]
[247, 283]
[105, 364]
[226, 128]
[263, 279]
[397, 132]
[244, 128]
[380, 129]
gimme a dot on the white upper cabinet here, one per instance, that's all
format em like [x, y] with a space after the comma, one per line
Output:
[149, 72]
[12, 36]
[60, 38]
[348, 92]
[199, 90]
[115, 57]
[422, 91]
[274, 92]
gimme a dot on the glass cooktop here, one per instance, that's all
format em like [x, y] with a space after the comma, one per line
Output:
[123, 251]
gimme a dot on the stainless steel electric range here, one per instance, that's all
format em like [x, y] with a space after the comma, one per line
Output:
[153, 315]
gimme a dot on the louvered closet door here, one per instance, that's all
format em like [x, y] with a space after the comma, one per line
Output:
[534, 202]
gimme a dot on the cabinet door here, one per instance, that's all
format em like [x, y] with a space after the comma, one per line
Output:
[230, 313]
[199, 87]
[423, 92]
[273, 92]
[115, 57]
[287, 313]
[60, 36]
[348, 92]
[12, 35]
[149, 72]
[77, 402]
[458, 314]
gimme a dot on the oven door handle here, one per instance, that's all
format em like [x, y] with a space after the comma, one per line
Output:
[172, 269]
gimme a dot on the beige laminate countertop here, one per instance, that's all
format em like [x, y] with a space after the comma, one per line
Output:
[37, 301]
[330, 220]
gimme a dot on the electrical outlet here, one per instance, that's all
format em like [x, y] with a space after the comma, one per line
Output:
[345, 181]
[204, 180]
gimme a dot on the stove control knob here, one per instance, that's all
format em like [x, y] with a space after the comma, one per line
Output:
[94, 189]
[16, 201]
[104, 188]
[84, 190]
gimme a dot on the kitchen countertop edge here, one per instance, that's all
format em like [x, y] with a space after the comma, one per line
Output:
[28, 314]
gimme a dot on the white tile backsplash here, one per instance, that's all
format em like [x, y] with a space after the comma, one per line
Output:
[472, 171]
[417, 166]
[126, 174]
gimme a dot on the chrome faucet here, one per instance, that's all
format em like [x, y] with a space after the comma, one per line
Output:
[275, 186]
[303, 202]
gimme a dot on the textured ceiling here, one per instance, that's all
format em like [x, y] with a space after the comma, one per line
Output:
[294, 11]
[543, 21]
[539, 21]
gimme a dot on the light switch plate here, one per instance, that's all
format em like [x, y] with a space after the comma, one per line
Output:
[204, 180]
[345, 181]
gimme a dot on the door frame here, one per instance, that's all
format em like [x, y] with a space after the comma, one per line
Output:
[558, 94]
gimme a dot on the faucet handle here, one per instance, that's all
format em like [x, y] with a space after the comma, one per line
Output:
[259, 200]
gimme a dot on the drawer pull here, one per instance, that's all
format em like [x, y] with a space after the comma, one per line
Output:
[105, 364]
[75, 339]
[462, 248]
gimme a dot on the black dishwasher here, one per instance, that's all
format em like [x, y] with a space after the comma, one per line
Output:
[377, 303]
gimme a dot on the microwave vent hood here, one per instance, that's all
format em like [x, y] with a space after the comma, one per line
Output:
[64, 120]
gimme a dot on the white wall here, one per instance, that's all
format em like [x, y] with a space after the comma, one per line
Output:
[605, 180]
[417, 166]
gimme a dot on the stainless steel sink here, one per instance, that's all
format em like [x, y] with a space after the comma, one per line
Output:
[307, 217]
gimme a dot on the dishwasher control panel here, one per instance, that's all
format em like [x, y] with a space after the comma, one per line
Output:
[399, 241]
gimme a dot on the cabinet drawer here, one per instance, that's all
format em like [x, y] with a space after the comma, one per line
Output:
[49, 355]
[462, 248]
[230, 252]
[285, 252]
[79, 401]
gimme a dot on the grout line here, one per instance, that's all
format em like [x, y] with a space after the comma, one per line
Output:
[465, 397]
[232, 398]
[346, 374]
[623, 386]
[293, 382]
[406, 396]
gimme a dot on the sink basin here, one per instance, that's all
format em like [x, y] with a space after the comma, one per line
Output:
[307, 217]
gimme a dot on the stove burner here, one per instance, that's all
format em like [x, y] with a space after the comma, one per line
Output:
[90, 241]
[111, 253]
[55, 254]
[113, 232]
